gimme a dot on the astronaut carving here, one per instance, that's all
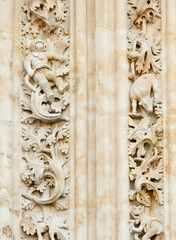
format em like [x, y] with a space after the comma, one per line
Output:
[37, 67]
[45, 85]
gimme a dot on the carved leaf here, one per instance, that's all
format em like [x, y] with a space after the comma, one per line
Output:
[59, 228]
[143, 10]
[33, 138]
[42, 186]
[61, 105]
[50, 140]
[66, 98]
[59, 206]
[66, 191]
[27, 204]
[28, 226]
[63, 132]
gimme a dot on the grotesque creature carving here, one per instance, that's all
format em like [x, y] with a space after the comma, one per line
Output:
[145, 148]
[140, 93]
[143, 226]
[144, 55]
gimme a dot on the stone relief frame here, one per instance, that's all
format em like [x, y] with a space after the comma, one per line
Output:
[106, 64]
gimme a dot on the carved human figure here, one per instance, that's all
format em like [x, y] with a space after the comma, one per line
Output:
[37, 67]
[150, 227]
[140, 92]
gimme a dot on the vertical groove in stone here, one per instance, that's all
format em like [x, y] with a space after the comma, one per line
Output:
[122, 109]
[171, 112]
[72, 122]
[81, 119]
[91, 63]
[16, 120]
[165, 121]
[105, 124]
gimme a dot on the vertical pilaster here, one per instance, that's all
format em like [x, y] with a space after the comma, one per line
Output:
[105, 120]
[122, 109]
[9, 120]
[81, 127]
[171, 113]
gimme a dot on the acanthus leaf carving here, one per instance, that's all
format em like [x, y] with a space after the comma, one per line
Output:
[44, 175]
[145, 126]
[145, 161]
[44, 16]
[45, 119]
[142, 12]
[39, 224]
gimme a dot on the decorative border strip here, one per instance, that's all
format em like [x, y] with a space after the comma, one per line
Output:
[45, 119]
[145, 139]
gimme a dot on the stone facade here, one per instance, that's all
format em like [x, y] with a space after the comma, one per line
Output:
[87, 120]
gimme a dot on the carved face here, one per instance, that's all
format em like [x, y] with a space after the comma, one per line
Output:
[147, 104]
[136, 211]
[37, 45]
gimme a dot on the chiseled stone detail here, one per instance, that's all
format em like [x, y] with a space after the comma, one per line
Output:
[142, 12]
[145, 132]
[45, 119]
[142, 224]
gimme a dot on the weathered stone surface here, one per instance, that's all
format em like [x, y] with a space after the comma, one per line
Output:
[87, 120]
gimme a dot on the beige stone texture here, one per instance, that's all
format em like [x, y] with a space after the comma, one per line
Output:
[98, 163]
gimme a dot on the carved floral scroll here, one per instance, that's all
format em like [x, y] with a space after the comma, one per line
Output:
[45, 119]
[145, 131]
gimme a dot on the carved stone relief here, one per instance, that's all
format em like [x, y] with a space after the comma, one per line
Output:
[45, 119]
[146, 174]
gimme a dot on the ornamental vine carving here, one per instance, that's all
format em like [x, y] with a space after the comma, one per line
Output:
[45, 119]
[142, 12]
[145, 125]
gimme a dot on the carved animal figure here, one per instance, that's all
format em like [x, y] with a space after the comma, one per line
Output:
[140, 92]
[150, 226]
